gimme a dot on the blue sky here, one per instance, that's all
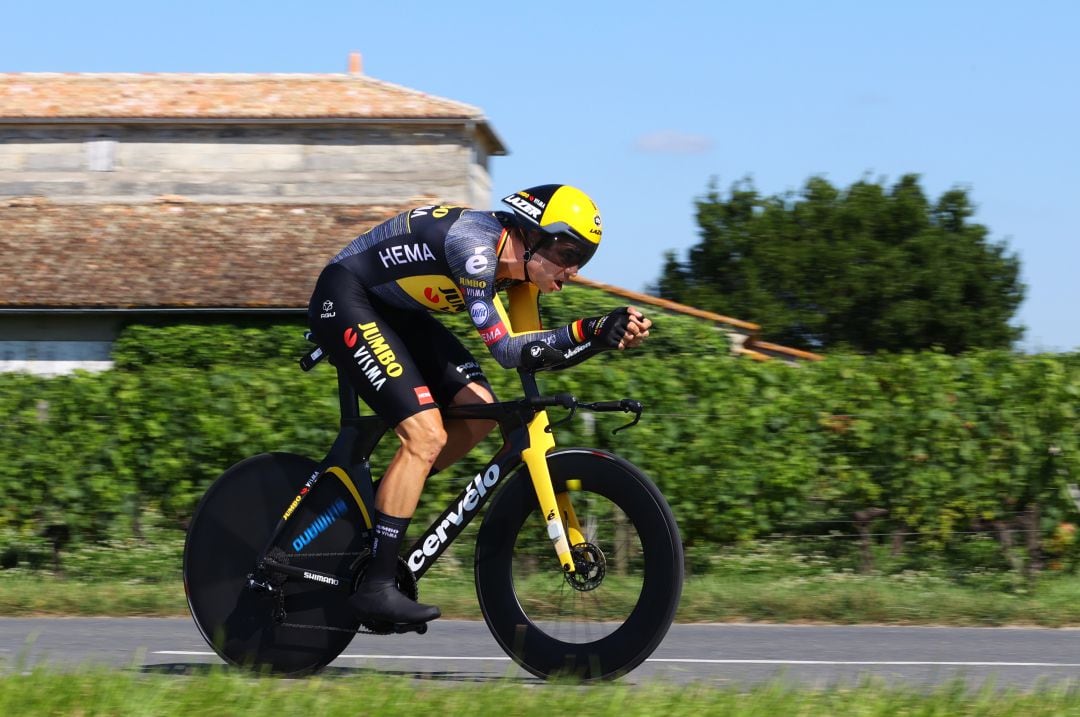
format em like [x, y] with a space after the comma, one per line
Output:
[642, 105]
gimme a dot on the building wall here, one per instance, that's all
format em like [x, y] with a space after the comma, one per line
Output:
[52, 345]
[354, 164]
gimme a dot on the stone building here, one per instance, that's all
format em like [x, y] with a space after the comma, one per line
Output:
[123, 195]
[130, 196]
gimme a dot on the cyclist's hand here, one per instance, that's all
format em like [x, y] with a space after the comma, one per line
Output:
[623, 328]
[637, 330]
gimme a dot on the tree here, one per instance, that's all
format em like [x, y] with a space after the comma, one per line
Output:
[872, 268]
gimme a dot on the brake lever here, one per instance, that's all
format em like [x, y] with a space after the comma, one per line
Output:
[630, 406]
[569, 417]
[626, 405]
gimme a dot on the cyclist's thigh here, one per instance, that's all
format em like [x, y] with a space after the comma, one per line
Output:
[366, 345]
[444, 362]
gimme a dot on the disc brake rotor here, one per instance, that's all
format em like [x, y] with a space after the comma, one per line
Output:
[590, 566]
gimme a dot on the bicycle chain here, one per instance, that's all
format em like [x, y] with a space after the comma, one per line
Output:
[358, 631]
[323, 555]
[363, 628]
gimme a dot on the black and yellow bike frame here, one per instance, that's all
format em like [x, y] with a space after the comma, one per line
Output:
[526, 439]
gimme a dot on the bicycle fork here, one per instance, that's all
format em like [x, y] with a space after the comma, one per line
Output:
[562, 523]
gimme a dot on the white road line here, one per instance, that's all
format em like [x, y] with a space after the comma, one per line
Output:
[871, 663]
[692, 660]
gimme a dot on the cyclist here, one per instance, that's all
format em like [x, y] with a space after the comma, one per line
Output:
[371, 311]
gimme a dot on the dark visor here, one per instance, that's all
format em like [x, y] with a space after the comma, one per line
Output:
[561, 245]
[566, 251]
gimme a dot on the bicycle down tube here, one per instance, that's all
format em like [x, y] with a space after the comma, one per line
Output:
[524, 438]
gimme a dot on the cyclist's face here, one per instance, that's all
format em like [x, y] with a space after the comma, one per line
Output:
[547, 275]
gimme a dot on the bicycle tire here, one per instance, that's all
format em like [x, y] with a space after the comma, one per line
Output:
[607, 636]
[230, 527]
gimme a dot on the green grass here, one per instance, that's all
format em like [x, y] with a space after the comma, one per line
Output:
[839, 598]
[221, 692]
[765, 582]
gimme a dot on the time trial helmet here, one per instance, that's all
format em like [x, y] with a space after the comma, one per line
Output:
[562, 223]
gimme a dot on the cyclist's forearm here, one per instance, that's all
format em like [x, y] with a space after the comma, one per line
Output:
[507, 349]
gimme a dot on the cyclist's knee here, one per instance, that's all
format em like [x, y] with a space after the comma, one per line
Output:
[473, 393]
[423, 435]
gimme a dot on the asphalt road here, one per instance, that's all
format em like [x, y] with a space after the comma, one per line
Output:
[715, 654]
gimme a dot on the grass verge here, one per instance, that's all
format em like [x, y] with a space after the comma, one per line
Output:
[833, 598]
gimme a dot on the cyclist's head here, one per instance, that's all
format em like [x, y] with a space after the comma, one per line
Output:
[559, 222]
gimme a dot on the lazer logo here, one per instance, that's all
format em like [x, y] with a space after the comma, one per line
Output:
[478, 488]
[519, 203]
[320, 524]
[321, 578]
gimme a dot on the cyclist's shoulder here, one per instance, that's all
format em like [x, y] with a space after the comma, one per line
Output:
[472, 243]
[477, 225]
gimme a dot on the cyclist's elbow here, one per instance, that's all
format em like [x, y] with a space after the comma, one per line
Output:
[504, 356]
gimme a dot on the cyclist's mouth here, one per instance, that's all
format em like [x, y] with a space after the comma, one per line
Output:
[558, 285]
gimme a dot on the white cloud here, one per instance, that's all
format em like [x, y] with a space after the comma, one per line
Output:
[672, 142]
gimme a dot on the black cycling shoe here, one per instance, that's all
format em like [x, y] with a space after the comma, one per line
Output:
[384, 602]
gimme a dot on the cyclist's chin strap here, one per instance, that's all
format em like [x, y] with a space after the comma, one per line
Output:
[528, 257]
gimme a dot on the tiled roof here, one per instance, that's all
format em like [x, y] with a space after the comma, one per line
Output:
[170, 255]
[175, 254]
[217, 96]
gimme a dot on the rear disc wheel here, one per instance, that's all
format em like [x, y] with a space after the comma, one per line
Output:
[253, 628]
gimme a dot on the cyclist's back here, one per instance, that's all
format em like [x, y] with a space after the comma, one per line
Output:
[424, 259]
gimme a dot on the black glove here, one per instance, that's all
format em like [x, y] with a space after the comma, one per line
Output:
[608, 330]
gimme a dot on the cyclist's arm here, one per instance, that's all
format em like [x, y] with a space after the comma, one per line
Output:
[577, 341]
[471, 257]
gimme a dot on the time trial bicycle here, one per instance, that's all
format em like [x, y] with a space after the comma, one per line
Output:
[578, 563]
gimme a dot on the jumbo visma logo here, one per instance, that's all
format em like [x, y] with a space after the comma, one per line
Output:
[320, 524]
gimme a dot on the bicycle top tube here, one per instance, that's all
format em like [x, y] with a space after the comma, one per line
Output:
[535, 356]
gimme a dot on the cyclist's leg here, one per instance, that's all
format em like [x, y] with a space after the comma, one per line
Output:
[464, 433]
[364, 342]
[422, 439]
[455, 378]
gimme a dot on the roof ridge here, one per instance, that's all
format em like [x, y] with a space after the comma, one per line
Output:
[241, 77]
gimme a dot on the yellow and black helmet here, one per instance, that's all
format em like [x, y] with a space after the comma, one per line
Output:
[563, 220]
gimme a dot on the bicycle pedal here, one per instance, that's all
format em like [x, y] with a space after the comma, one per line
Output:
[395, 628]
[402, 627]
